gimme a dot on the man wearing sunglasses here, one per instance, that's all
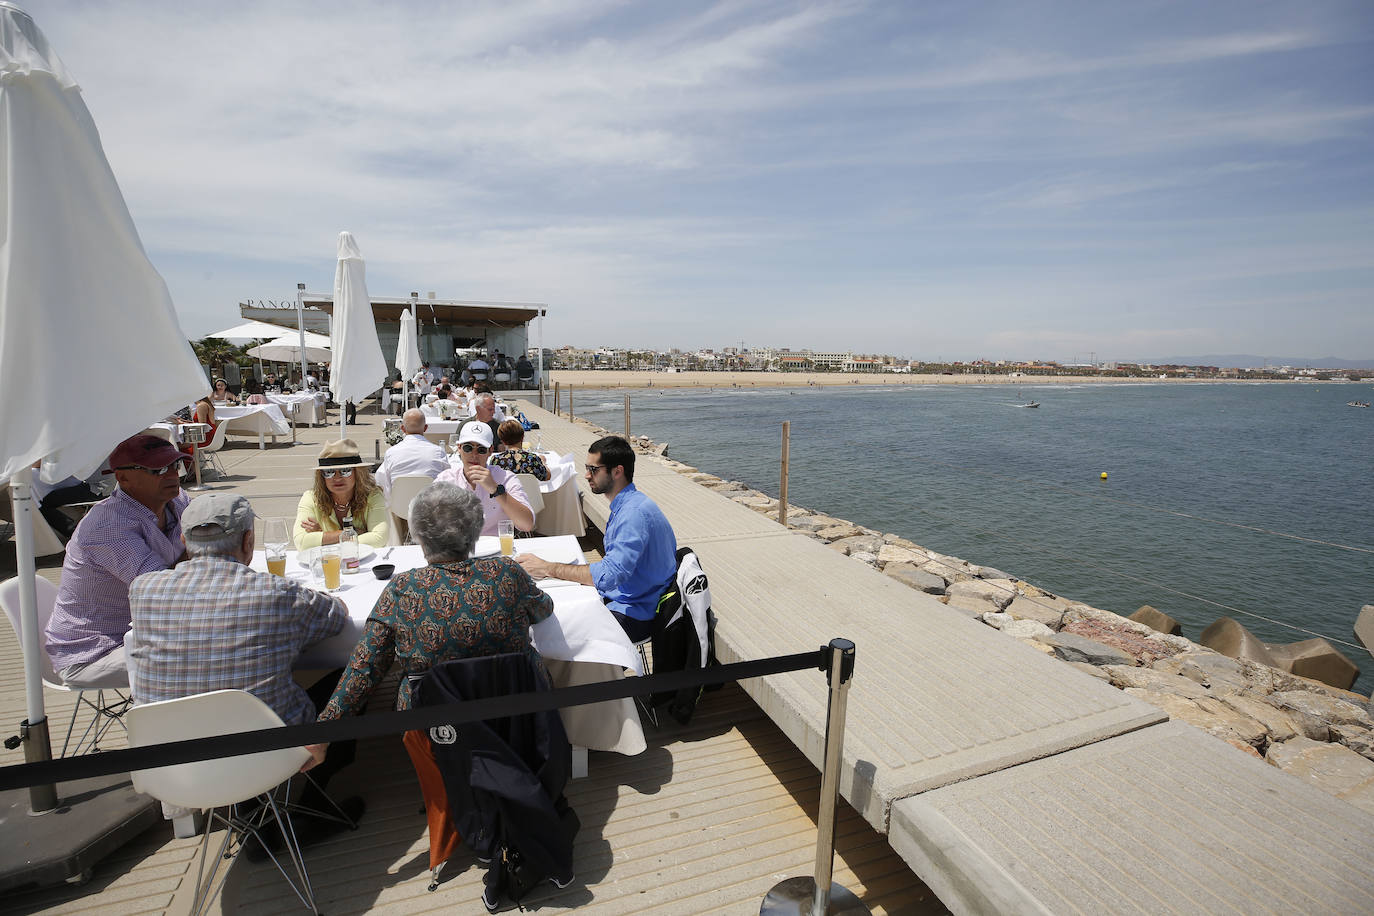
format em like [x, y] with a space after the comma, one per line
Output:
[640, 557]
[137, 529]
[498, 490]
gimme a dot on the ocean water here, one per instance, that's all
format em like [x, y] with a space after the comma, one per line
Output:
[1221, 499]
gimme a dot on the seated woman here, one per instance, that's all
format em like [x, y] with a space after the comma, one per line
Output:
[343, 487]
[516, 458]
[222, 394]
[204, 413]
[456, 607]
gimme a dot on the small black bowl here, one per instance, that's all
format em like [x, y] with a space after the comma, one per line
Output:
[383, 570]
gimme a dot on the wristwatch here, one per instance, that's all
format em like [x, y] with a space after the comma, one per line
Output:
[499, 491]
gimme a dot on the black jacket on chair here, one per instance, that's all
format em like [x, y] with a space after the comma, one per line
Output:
[504, 777]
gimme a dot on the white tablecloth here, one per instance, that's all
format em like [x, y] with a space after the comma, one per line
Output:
[581, 640]
[254, 420]
[309, 406]
[562, 512]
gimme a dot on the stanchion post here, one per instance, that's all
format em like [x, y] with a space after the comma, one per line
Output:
[557, 410]
[818, 896]
[782, 486]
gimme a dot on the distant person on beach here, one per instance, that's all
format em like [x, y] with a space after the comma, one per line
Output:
[134, 531]
[413, 456]
[498, 491]
[640, 547]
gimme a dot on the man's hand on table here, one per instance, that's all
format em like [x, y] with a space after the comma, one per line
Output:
[537, 567]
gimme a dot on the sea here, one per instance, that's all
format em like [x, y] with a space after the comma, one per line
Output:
[1254, 501]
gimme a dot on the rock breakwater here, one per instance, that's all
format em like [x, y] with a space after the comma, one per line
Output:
[1321, 734]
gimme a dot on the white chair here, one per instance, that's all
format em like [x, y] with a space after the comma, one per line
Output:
[403, 490]
[104, 714]
[530, 484]
[209, 450]
[224, 782]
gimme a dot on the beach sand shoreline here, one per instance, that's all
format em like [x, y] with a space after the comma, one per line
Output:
[621, 378]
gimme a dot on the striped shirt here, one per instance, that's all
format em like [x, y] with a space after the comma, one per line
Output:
[214, 624]
[117, 541]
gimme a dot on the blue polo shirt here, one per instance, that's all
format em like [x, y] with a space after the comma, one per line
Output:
[641, 556]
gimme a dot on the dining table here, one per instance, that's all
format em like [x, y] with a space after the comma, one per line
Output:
[580, 642]
[307, 406]
[249, 419]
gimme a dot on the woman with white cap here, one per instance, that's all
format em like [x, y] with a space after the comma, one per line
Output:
[497, 489]
[343, 488]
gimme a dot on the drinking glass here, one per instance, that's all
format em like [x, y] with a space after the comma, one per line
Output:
[331, 571]
[275, 541]
[505, 530]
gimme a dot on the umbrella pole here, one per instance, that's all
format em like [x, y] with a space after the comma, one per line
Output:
[33, 731]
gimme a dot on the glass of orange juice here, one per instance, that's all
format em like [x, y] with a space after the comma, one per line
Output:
[274, 539]
[330, 568]
[505, 530]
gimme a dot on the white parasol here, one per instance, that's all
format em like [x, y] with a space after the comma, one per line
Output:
[288, 350]
[407, 353]
[358, 367]
[77, 294]
[252, 330]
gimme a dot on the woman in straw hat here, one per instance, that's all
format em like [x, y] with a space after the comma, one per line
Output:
[343, 488]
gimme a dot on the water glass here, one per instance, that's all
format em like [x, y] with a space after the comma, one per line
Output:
[275, 541]
[330, 567]
[505, 530]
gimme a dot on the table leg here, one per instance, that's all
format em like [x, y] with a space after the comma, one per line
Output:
[262, 442]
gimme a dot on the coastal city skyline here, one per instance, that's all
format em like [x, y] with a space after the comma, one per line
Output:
[984, 179]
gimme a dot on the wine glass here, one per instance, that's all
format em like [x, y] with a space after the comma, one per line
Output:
[275, 540]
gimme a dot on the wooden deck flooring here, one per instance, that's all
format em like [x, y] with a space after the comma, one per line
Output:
[705, 821]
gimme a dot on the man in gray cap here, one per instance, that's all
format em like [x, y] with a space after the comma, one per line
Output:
[212, 623]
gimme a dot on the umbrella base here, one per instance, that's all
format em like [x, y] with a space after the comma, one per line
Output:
[94, 818]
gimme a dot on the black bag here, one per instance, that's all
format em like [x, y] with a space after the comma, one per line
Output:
[684, 637]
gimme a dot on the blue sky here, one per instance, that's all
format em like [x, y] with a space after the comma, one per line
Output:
[933, 180]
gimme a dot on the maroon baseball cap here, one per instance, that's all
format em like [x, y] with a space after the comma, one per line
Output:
[144, 451]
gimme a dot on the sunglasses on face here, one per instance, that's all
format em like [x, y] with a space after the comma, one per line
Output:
[156, 472]
[593, 468]
[479, 449]
[342, 472]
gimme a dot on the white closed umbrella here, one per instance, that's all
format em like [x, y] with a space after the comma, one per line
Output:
[288, 350]
[407, 353]
[77, 294]
[358, 366]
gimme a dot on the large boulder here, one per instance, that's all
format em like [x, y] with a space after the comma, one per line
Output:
[1045, 609]
[972, 605]
[1316, 713]
[1332, 768]
[1278, 723]
[1073, 648]
[1140, 642]
[991, 592]
[1317, 659]
[1210, 669]
[1157, 620]
[1208, 714]
[951, 569]
[843, 532]
[1149, 679]
[891, 553]
[1027, 629]
[916, 578]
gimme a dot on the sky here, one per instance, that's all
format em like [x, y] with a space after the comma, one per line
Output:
[933, 180]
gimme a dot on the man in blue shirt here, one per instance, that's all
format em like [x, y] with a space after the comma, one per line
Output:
[640, 549]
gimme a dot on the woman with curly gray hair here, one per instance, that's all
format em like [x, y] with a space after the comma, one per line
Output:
[458, 606]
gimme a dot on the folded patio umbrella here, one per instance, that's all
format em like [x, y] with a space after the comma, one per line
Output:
[358, 367]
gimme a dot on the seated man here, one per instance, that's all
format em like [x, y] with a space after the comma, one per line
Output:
[413, 455]
[641, 551]
[484, 410]
[137, 529]
[498, 490]
[214, 624]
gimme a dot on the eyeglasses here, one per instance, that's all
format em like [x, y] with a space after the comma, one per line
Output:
[593, 468]
[156, 472]
[479, 449]
[328, 474]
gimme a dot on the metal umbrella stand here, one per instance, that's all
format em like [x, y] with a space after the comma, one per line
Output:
[818, 895]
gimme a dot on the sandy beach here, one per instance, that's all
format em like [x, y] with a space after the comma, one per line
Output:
[615, 378]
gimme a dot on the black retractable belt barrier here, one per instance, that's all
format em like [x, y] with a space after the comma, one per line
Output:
[67, 769]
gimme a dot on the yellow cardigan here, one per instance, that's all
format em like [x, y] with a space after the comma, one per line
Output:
[373, 532]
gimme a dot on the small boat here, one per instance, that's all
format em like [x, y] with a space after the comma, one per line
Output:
[1031, 404]
[1356, 403]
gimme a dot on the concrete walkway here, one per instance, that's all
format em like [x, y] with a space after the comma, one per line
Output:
[1009, 781]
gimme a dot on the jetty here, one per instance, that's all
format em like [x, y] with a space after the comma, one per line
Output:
[980, 775]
